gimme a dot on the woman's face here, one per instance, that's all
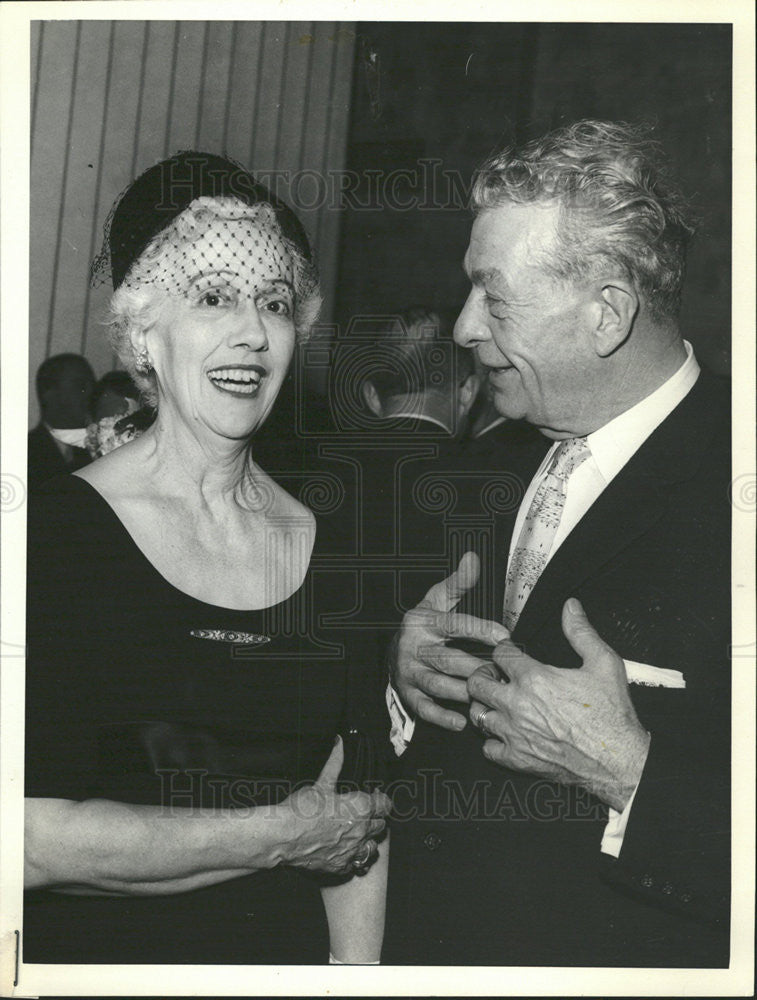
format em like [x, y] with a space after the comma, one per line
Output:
[224, 337]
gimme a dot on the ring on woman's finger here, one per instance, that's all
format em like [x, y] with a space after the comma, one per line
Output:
[479, 720]
[364, 856]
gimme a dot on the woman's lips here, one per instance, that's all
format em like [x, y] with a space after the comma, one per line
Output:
[239, 380]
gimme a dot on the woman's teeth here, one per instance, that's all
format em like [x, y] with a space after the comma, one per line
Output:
[240, 380]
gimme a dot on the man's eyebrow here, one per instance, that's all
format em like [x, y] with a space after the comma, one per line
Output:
[482, 275]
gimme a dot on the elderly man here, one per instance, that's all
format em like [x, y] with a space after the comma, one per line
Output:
[579, 815]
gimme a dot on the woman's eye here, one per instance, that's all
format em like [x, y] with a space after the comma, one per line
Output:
[215, 298]
[278, 307]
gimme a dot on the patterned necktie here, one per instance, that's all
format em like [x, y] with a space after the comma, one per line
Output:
[540, 527]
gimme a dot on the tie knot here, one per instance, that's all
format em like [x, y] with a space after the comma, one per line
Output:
[569, 455]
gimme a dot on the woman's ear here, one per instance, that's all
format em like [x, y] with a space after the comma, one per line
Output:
[618, 307]
[371, 398]
[137, 338]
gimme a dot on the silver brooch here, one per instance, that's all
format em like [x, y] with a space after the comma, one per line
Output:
[222, 635]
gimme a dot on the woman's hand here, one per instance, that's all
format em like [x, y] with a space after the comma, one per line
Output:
[326, 830]
[114, 847]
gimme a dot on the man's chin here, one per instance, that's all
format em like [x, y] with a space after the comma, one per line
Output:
[508, 404]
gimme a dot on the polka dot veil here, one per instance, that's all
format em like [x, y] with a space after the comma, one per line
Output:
[224, 246]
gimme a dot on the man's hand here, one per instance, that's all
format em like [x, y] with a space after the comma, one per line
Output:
[423, 667]
[577, 727]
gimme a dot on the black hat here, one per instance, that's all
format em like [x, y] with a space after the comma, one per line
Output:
[162, 193]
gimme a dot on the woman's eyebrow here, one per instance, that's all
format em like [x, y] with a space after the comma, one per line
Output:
[204, 276]
[212, 273]
[279, 281]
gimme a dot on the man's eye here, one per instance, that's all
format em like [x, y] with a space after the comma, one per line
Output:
[494, 305]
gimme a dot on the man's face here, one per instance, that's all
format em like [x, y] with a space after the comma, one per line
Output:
[67, 404]
[531, 332]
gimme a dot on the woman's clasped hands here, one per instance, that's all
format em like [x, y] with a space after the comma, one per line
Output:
[330, 832]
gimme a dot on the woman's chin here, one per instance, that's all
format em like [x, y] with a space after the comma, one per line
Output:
[232, 427]
[239, 416]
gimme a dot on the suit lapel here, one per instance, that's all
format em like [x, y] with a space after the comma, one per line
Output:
[632, 503]
[628, 508]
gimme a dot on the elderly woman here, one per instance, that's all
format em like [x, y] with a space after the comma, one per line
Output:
[182, 713]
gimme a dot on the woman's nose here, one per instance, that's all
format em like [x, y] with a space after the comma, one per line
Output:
[470, 327]
[249, 330]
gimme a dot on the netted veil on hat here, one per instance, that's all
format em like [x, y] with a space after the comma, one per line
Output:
[164, 191]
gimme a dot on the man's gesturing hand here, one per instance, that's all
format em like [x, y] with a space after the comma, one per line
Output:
[423, 667]
[577, 727]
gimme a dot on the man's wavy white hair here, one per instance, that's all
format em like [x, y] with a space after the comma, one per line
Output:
[619, 205]
[136, 301]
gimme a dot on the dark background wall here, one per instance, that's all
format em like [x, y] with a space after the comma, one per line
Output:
[453, 92]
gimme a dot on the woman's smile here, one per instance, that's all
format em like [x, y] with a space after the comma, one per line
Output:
[237, 380]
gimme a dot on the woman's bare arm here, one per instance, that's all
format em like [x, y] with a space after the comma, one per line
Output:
[356, 912]
[114, 847]
[117, 848]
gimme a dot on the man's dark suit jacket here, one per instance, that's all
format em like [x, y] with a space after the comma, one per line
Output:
[45, 459]
[495, 867]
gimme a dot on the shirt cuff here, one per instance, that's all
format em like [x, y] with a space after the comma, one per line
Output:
[615, 831]
[612, 838]
[403, 726]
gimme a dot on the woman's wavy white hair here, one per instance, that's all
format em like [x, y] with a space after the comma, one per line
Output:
[135, 303]
[618, 204]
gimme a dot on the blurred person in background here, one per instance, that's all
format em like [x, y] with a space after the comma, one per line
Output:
[115, 395]
[119, 415]
[421, 377]
[57, 444]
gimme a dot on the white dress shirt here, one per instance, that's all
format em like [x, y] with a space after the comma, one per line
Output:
[67, 438]
[76, 437]
[611, 448]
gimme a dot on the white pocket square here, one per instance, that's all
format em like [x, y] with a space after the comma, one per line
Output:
[645, 673]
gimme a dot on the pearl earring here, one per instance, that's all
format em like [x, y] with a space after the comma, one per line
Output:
[143, 363]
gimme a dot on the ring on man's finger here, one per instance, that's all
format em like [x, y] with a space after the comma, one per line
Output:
[479, 720]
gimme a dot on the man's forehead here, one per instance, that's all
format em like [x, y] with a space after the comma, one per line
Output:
[509, 234]
[479, 266]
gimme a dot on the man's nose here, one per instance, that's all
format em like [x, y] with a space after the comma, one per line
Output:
[470, 329]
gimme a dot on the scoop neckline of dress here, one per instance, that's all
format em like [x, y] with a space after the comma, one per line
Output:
[156, 572]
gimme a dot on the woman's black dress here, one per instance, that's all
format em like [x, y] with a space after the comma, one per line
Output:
[138, 693]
